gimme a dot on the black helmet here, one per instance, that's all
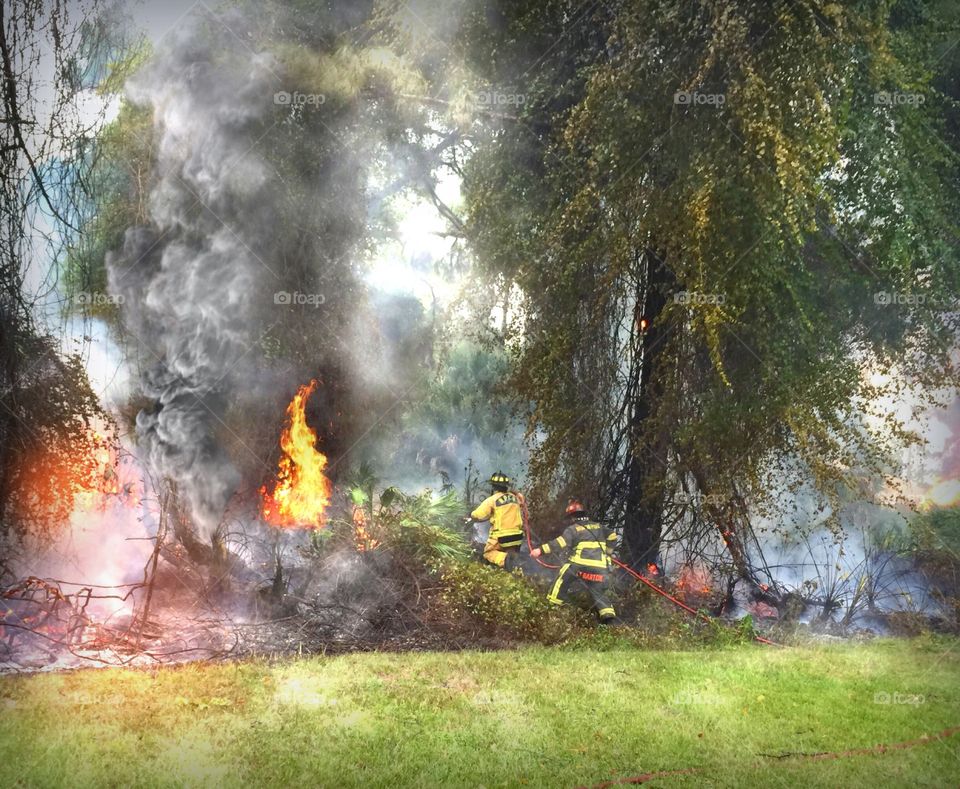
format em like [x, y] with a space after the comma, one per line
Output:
[499, 481]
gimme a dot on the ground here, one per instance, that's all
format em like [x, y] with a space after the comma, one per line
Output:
[561, 716]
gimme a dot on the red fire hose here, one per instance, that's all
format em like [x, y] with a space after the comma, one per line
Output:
[926, 739]
[694, 612]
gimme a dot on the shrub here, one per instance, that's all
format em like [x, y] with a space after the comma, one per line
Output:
[907, 623]
[504, 603]
[423, 527]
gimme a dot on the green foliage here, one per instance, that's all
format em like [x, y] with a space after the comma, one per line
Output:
[461, 411]
[470, 376]
[121, 172]
[505, 604]
[337, 534]
[936, 553]
[745, 631]
[424, 533]
[788, 206]
[419, 528]
[422, 526]
[708, 630]
[609, 639]
[361, 483]
[938, 529]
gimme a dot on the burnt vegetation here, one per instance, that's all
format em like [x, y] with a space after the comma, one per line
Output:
[702, 261]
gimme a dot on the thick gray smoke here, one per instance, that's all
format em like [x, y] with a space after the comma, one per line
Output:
[191, 285]
[262, 189]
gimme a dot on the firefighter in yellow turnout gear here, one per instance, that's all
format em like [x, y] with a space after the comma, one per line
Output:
[504, 510]
[587, 567]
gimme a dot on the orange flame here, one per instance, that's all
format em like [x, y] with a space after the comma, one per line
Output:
[361, 534]
[694, 580]
[302, 491]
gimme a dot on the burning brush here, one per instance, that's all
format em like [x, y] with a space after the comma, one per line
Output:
[361, 532]
[694, 581]
[301, 493]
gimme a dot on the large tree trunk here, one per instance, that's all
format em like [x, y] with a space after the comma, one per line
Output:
[646, 464]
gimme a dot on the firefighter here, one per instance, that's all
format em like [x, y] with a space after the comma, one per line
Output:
[587, 568]
[504, 509]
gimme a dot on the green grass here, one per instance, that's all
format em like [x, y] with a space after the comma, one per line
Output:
[536, 717]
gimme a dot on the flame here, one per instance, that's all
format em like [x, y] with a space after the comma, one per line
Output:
[107, 477]
[302, 491]
[104, 457]
[652, 569]
[945, 493]
[361, 533]
[694, 580]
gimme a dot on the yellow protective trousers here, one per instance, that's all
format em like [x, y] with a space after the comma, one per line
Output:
[498, 546]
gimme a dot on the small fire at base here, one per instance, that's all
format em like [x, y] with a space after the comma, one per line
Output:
[694, 580]
[361, 533]
[301, 493]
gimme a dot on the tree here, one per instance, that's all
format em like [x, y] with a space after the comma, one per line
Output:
[50, 53]
[709, 210]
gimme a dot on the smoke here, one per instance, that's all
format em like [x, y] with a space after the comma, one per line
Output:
[192, 281]
[105, 546]
[266, 152]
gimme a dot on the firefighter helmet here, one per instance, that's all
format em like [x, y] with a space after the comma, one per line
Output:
[499, 479]
[575, 509]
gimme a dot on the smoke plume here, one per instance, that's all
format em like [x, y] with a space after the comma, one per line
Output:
[189, 283]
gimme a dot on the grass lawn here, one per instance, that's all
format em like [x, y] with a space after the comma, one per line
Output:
[558, 717]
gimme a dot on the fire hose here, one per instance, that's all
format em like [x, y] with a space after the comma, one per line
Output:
[663, 592]
[823, 756]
